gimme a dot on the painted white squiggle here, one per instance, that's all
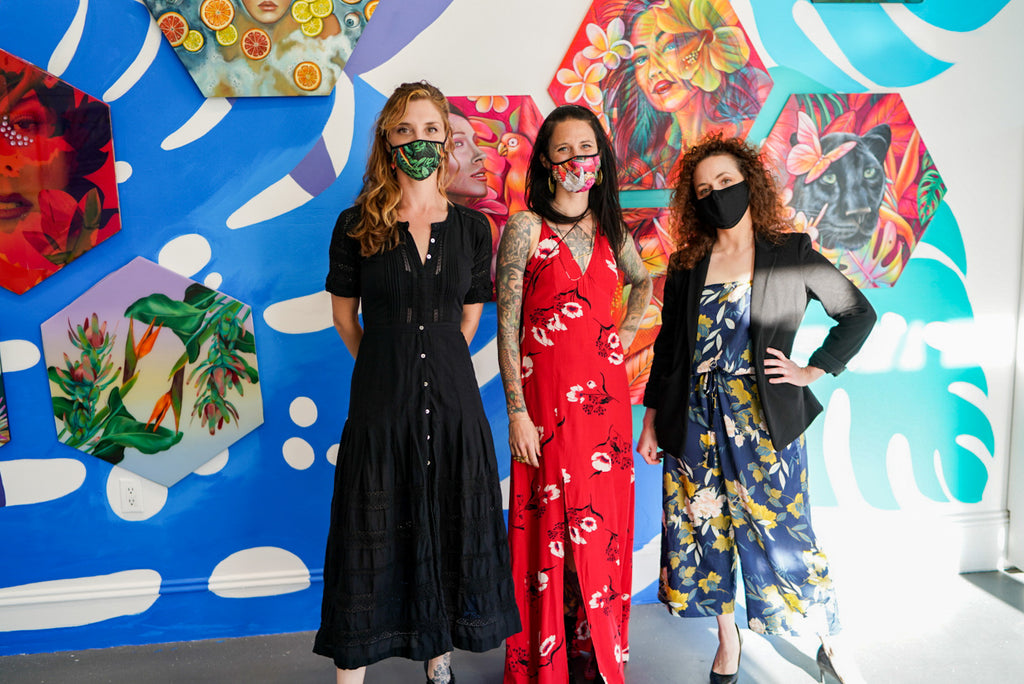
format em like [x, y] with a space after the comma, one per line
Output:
[646, 563]
[899, 469]
[306, 314]
[836, 449]
[139, 65]
[18, 355]
[927, 251]
[340, 124]
[186, 254]
[260, 571]
[807, 18]
[123, 170]
[949, 46]
[78, 601]
[286, 194]
[745, 13]
[68, 45]
[279, 198]
[35, 480]
[485, 363]
[972, 394]
[199, 124]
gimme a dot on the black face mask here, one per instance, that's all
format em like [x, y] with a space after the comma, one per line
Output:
[723, 208]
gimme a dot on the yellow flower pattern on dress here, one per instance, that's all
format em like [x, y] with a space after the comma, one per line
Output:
[732, 502]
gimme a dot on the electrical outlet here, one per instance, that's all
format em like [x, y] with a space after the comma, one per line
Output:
[131, 495]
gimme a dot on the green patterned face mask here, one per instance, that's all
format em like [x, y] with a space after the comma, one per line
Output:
[418, 159]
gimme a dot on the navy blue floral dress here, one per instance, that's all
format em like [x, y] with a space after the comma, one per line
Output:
[732, 499]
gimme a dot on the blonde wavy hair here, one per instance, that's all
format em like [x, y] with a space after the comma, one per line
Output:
[377, 230]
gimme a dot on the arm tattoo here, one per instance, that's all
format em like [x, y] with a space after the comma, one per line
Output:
[640, 289]
[513, 253]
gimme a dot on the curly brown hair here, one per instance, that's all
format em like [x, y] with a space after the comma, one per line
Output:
[693, 239]
[378, 201]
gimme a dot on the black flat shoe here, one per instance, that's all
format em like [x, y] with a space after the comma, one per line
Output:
[451, 674]
[735, 676]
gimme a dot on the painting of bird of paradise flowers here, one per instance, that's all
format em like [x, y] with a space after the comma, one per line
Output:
[858, 179]
[153, 372]
[492, 139]
[661, 74]
[58, 189]
[250, 48]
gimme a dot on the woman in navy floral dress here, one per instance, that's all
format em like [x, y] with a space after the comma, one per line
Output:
[729, 407]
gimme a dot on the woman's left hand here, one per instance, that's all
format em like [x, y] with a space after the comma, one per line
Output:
[782, 369]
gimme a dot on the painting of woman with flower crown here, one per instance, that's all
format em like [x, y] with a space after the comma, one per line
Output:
[857, 178]
[58, 191]
[660, 74]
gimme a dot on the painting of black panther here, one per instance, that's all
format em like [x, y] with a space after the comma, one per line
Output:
[844, 198]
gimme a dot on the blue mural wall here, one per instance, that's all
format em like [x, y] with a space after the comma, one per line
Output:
[242, 195]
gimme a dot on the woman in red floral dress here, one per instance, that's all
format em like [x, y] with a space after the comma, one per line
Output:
[560, 267]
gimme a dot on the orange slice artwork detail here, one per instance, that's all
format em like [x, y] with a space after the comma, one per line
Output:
[174, 26]
[216, 14]
[307, 75]
[256, 43]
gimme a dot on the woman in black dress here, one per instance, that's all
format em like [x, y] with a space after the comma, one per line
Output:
[417, 557]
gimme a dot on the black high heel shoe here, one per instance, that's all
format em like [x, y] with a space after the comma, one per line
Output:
[735, 676]
[451, 673]
[825, 666]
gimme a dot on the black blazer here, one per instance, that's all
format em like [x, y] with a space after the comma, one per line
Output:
[786, 277]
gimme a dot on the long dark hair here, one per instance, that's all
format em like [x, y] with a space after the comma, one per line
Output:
[603, 199]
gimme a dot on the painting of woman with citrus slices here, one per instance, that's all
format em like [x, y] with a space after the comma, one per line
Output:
[253, 48]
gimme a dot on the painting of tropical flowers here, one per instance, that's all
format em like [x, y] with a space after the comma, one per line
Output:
[857, 178]
[153, 372]
[660, 74]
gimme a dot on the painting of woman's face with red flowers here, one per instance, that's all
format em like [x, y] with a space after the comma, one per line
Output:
[58, 191]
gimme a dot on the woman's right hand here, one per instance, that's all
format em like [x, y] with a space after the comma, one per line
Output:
[524, 441]
[647, 445]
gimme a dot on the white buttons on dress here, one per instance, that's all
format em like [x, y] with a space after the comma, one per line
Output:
[429, 255]
[426, 384]
[432, 240]
[426, 410]
[423, 356]
[421, 327]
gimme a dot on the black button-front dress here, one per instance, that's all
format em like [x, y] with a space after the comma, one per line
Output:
[417, 555]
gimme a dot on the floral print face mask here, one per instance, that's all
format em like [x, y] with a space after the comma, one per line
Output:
[418, 158]
[577, 174]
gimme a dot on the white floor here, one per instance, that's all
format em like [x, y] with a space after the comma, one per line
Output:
[959, 629]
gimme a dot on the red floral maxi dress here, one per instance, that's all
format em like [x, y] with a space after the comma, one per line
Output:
[576, 392]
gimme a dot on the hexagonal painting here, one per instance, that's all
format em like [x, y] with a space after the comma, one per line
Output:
[493, 140]
[153, 372]
[661, 74]
[654, 243]
[251, 48]
[858, 178]
[58, 189]
[5, 425]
